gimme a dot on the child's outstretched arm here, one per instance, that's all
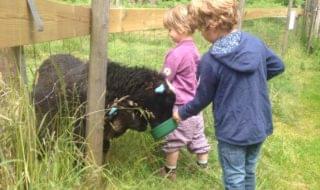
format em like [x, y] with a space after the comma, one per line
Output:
[205, 92]
[275, 65]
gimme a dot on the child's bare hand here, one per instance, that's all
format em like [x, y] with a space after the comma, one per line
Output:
[176, 116]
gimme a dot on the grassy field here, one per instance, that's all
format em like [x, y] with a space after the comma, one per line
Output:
[290, 157]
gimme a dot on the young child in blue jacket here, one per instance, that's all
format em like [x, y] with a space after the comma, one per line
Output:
[233, 76]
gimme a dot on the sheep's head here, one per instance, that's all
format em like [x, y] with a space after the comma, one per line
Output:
[126, 114]
[160, 101]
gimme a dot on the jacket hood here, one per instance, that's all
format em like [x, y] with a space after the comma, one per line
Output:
[237, 51]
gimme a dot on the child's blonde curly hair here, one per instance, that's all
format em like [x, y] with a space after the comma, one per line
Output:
[178, 18]
[217, 14]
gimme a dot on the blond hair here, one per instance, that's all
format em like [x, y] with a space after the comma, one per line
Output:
[177, 18]
[218, 14]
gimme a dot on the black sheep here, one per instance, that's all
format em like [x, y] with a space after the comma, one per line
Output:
[61, 85]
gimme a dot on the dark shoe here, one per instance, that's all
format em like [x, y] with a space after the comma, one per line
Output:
[196, 167]
[202, 166]
[167, 173]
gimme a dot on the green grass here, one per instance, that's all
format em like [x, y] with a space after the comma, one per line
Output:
[290, 158]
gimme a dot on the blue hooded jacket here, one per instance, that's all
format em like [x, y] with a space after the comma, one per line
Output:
[233, 76]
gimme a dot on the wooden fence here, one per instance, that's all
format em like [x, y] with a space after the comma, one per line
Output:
[65, 21]
[312, 20]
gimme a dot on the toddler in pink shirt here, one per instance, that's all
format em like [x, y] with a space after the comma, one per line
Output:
[180, 69]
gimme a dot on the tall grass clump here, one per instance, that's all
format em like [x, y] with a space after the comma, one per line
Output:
[28, 162]
[18, 138]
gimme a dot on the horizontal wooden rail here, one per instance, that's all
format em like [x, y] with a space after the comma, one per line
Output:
[59, 21]
[256, 13]
[65, 21]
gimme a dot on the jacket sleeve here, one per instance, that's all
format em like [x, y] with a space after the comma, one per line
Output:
[275, 65]
[205, 92]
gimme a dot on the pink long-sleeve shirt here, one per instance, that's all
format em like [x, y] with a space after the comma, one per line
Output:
[180, 68]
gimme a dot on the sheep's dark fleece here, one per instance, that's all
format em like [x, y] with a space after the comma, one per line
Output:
[62, 85]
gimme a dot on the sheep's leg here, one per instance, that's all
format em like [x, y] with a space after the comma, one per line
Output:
[106, 145]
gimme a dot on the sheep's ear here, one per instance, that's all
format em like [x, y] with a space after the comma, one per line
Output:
[160, 89]
[113, 111]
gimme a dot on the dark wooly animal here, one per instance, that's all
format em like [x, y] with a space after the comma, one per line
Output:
[135, 97]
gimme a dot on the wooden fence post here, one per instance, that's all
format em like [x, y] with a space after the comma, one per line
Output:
[97, 84]
[8, 67]
[241, 15]
[286, 35]
[12, 63]
[317, 21]
[306, 20]
[313, 10]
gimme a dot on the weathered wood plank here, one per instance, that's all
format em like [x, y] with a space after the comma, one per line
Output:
[8, 68]
[64, 21]
[124, 20]
[60, 21]
[97, 82]
[256, 13]
[97, 87]
[242, 4]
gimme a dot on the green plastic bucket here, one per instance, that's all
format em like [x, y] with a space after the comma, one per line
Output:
[163, 129]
